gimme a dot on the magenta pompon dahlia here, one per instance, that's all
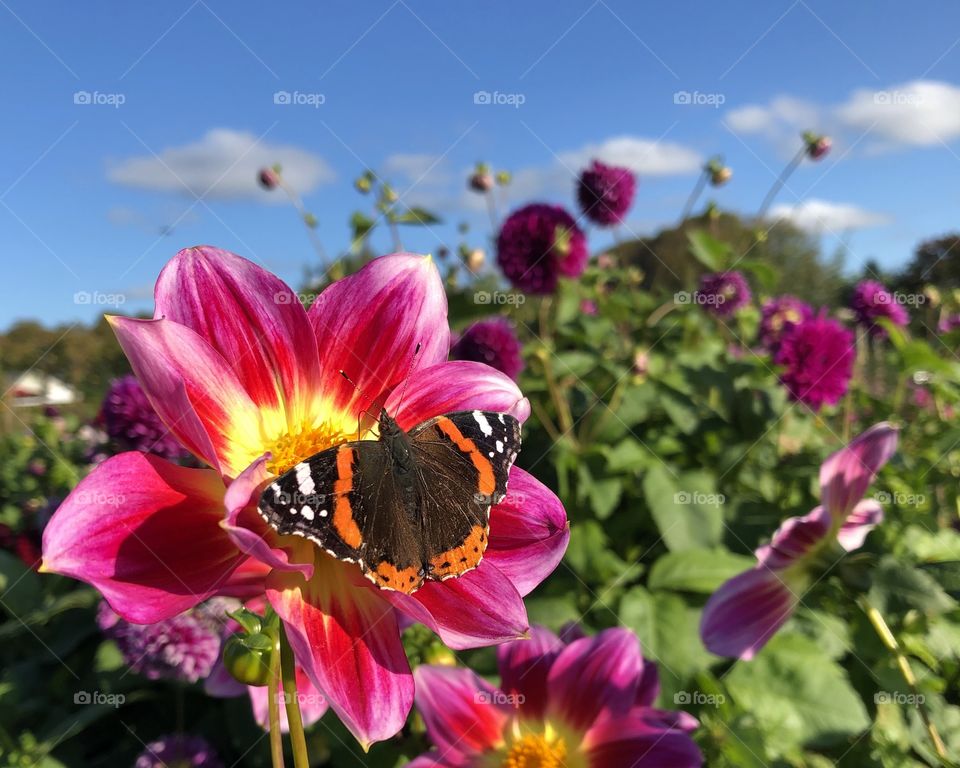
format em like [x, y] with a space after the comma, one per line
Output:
[817, 356]
[605, 193]
[778, 316]
[747, 610]
[133, 424]
[494, 342]
[582, 704]
[723, 293]
[538, 244]
[178, 751]
[871, 302]
[250, 382]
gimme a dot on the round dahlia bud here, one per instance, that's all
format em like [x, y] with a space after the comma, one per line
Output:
[720, 176]
[481, 182]
[504, 178]
[363, 184]
[268, 178]
[247, 658]
[817, 145]
[475, 259]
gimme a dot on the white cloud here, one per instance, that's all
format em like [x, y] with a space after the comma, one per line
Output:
[643, 156]
[819, 216]
[223, 164]
[414, 168]
[919, 113]
[916, 113]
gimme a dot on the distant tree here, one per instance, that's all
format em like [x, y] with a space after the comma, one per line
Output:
[935, 262]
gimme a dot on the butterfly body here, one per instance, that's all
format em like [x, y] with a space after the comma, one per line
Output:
[409, 507]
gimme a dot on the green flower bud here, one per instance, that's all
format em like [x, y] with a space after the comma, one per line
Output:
[247, 658]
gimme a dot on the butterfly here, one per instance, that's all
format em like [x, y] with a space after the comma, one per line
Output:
[409, 507]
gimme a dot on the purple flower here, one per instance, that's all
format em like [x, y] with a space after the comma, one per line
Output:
[133, 424]
[818, 357]
[178, 751]
[723, 293]
[185, 647]
[577, 701]
[778, 316]
[493, 342]
[871, 301]
[949, 322]
[746, 611]
[537, 244]
[605, 193]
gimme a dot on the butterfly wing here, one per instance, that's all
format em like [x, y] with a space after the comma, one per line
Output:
[319, 499]
[464, 461]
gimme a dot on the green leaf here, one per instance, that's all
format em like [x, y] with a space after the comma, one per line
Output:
[590, 556]
[947, 576]
[898, 587]
[709, 251]
[697, 570]
[416, 216]
[686, 509]
[797, 695]
[19, 586]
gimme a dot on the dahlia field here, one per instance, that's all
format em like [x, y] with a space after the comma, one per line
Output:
[727, 536]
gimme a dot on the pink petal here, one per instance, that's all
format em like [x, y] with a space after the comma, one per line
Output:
[462, 385]
[252, 319]
[480, 608]
[370, 323]
[312, 704]
[524, 668]
[248, 530]
[529, 532]
[846, 475]
[631, 741]
[795, 538]
[866, 516]
[745, 612]
[594, 677]
[648, 688]
[146, 533]
[464, 714]
[345, 636]
[191, 387]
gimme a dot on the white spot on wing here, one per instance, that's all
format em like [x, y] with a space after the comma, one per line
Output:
[484, 424]
[499, 446]
[323, 513]
[307, 513]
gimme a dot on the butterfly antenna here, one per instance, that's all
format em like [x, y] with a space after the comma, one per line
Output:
[406, 379]
[376, 417]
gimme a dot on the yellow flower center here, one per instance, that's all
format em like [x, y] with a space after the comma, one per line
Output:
[290, 448]
[536, 751]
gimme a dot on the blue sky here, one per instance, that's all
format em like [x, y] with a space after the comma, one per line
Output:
[85, 188]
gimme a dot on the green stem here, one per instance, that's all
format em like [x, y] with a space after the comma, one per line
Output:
[288, 672]
[890, 643]
[778, 184]
[694, 196]
[273, 708]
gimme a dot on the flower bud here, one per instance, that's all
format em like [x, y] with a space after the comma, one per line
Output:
[268, 178]
[720, 176]
[504, 178]
[247, 658]
[363, 185]
[481, 182]
[475, 259]
[817, 145]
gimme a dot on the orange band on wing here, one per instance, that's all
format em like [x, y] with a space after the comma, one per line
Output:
[460, 559]
[389, 576]
[343, 522]
[488, 483]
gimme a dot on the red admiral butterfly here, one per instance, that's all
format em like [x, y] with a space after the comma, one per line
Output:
[408, 508]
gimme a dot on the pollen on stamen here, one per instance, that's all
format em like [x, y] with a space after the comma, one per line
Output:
[293, 447]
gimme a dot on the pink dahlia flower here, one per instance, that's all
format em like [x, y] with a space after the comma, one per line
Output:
[494, 342]
[871, 302]
[817, 356]
[746, 611]
[537, 245]
[249, 381]
[605, 193]
[778, 316]
[586, 704]
[723, 293]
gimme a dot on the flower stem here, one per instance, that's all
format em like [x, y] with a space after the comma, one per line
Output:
[890, 643]
[781, 180]
[694, 196]
[288, 671]
[273, 708]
